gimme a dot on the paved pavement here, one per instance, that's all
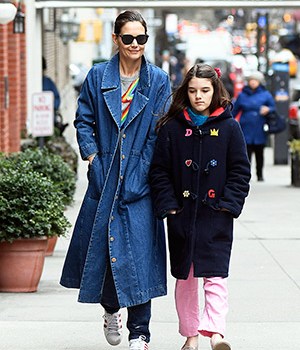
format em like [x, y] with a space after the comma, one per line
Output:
[264, 284]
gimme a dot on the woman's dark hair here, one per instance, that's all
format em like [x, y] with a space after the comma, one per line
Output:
[181, 100]
[128, 16]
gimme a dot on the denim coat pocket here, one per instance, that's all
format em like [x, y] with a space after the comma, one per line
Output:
[96, 178]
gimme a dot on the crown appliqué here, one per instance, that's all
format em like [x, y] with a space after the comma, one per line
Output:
[214, 132]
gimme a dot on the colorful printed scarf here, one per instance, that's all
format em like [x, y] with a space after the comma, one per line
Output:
[128, 97]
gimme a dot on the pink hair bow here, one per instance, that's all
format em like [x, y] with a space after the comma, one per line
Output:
[218, 71]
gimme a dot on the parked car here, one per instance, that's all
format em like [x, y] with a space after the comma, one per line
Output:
[292, 42]
[286, 55]
[78, 73]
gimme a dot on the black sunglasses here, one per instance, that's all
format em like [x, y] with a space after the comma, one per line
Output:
[127, 39]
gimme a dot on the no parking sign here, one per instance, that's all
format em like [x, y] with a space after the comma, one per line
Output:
[42, 114]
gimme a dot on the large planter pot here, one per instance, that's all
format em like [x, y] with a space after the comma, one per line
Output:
[295, 169]
[21, 264]
[51, 245]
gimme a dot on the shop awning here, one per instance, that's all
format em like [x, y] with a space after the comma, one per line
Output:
[168, 4]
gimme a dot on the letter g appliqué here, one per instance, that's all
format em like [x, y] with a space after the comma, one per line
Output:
[211, 193]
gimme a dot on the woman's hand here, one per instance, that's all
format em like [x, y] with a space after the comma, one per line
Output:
[264, 110]
[91, 158]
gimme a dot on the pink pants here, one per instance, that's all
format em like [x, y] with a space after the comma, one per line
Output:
[215, 309]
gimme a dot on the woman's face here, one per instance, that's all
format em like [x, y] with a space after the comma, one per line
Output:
[200, 93]
[134, 50]
[253, 84]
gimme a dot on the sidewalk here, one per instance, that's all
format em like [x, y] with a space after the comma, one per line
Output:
[264, 284]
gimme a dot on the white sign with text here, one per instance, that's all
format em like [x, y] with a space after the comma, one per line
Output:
[42, 114]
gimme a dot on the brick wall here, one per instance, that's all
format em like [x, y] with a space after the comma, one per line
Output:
[14, 82]
[12, 88]
[23, 82]
[4, 97]
[13, 92]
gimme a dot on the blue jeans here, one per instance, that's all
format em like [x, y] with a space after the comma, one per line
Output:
[138, 318]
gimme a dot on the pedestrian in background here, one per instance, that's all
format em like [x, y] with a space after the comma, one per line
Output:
[252, 104]
[200, 178]
[49, 85]
[117, 254]
[172, 65]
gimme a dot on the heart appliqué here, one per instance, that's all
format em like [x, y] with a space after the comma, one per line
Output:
[188, 162]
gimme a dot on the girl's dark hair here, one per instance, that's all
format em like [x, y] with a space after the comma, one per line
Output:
[128, 16]
[181, 100]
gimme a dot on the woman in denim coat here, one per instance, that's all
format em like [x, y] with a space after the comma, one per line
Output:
[117, 254]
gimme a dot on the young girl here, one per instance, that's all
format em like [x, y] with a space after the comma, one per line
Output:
[199, 178]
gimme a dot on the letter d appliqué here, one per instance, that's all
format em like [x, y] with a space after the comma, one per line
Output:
[188, 132]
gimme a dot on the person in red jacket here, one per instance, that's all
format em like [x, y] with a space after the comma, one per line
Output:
[199, 179]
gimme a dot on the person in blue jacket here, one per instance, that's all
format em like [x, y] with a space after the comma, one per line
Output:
[49, 85]
[199, 180]
[253, 103]
[117, 253]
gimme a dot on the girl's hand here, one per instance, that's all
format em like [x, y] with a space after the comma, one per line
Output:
[172, 212]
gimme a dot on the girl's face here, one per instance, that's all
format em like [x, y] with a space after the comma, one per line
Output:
[200, 93]
[134, 50]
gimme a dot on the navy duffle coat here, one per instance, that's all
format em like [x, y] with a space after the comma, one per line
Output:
[252, 122]
[200, 170]
[116, 222]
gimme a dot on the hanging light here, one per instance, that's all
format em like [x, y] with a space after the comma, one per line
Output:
[69, 27]
[19, 21]
[7, 12]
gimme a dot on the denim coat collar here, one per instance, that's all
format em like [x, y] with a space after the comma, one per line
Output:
[111, 88]
[111, 80]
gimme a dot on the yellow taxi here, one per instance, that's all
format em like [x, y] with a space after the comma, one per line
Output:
[286, 56]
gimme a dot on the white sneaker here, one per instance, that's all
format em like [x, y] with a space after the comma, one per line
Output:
[138, 344]
[113, 328]
[218, 343]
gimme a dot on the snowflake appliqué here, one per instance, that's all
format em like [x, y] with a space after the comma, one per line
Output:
[213, 162]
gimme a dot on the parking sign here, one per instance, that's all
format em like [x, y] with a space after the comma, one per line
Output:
[42, 114]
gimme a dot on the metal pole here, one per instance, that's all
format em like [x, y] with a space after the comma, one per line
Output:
[267, 43]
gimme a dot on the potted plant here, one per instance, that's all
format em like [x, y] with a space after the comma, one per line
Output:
[294, 148]
[54, 167]
[57, 145]
[31, 210]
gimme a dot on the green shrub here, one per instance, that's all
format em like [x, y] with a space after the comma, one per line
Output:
[31, 205]
[56, 145]
[52, 166]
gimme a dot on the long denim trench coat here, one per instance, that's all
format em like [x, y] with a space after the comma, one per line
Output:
[116, 221]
